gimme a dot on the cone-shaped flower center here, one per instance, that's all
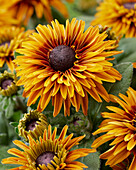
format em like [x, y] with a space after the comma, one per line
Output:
[129, 5]
[45, 158]
[62, 58]
[31, 125]
[6, 42]
[5, 83]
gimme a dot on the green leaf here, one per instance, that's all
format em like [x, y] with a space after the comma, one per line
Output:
[129, 48]
[9, 111]
[95, 108]
[16, 129]
[4, 154]
[92, 161]
[4, 103]
[16, 54]
[14, 124]
[126, 69]
[3, 134]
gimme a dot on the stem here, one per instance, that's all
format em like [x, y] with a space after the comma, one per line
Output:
[20, 105]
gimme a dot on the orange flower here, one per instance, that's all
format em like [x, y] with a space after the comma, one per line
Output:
[10, 39]
[56, 151]
[119, 15]
[120, 126]
[6, 18]
[65, 65]
[22, 10]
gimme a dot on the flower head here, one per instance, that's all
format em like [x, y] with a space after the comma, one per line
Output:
[8, 84]
[119, 15]
[65, 64]
[22, 10]
[49, 152]
[11, 39]
[120, 125]
[33, 123]
[6, 18]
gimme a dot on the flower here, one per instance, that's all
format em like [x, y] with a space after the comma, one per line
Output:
[11, 39]
[5, 18]
[33, 123]
[8, 84]
[120, 125]
[119, 15]
[23, 10]
[64, 64]
[49, 152]
[134, 65]
[79, 124]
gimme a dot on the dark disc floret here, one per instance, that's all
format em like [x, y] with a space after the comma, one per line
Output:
[129, 5]
[5, 83]
[31, 125]
[62, 58]
[45, 158]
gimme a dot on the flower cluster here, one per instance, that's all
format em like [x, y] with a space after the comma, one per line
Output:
[62, 73]
[119, 15]
[49, 152]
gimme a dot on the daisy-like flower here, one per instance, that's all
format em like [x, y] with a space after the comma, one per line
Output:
[8, 85]
[65, 64]
[5, 18]
[119, 15]
[120, 125]
[11, 39]
[49, 153]
[22, 10]
[33, 123]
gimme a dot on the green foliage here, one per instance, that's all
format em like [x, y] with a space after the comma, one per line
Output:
[128, 45]
[95, 108]
[92, 160]
[4, 154]
[3, 129]
[12, 108]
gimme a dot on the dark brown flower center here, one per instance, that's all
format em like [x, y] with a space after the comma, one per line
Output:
[6, 83]
[7, 42]
[31, 125]
[129, 5]
[62, 58]
[45, 158]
